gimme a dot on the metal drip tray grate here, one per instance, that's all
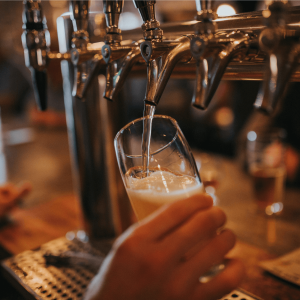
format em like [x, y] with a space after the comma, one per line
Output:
[35, 279]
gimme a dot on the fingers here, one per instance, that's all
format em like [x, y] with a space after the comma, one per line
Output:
[11, 194]
[9, 191]
[169, 217]
[24, 189]
[223, 283]
[213, 253]
[197, 230]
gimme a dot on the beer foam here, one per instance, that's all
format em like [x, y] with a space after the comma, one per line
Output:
[163, 187]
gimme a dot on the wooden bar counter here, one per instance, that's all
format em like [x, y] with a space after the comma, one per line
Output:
[259, 238]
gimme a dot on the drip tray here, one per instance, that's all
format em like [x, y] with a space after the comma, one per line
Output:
[58, 270]
[62, 270]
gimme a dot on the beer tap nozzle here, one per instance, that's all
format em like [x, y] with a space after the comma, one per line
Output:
[80, 13]
[161, 58]
[36, 42]
[213, 56]
[213, 52]
[119, 58]
[204, 33]
[280, 43]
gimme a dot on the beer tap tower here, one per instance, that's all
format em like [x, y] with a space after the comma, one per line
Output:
[90, 121]
[250, 46]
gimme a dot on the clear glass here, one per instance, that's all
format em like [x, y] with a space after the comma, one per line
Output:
[172, 173]
[266, 163]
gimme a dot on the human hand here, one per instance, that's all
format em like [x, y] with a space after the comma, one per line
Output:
[156, 259]
[11, 194]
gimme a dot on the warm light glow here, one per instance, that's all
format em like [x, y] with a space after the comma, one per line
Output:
[225, 10]
[266, 13]
[224, 116]
[251, 136]
[274, 208]
[129, 20]
[274, 73]
[273, 64]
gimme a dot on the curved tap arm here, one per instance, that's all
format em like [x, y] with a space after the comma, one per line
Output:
[119, 58]
[213, 62]
[159, 69]
[281, 45]
[112, 10]
[116, 75]
[279, 69]
[204, 33]
[79, 14]
[36, 42]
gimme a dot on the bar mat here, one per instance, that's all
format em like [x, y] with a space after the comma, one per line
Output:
[66, 279]
[240, 294]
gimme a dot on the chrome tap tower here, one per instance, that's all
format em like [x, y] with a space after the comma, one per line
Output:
[262, 45]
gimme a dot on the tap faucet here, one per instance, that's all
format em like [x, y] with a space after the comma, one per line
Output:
[80, 54]
[280, 43]
[120, 56]
[161, 58]
[213, 51]
[36, 43]
[204, 31]
[160, 55]
[87, 61]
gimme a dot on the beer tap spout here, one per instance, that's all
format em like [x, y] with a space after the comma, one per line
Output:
[280, 43]
[213, 51]
[161, 58]
[79, 15]
[117, 71]
[160, 55]
[119, 56]
[36, 44]
[213, 56]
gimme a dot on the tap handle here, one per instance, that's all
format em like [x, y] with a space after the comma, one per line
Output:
[151, 27]
[204, 5]
[282, 58]
[32, 15]
[112, 10]
[205, 15]
[146, 9]
[36, 42]
[80, 14]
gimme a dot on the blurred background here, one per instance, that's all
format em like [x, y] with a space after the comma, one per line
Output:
[36, 143]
